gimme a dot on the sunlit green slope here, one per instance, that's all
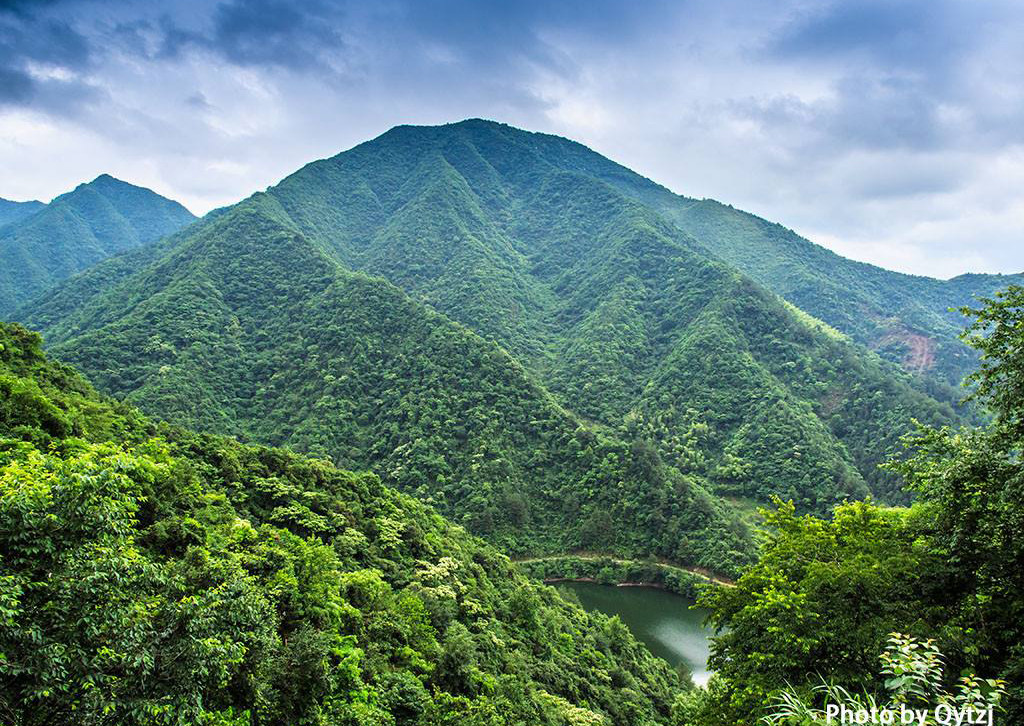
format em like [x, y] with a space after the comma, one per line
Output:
[150, 575]
[253, 322]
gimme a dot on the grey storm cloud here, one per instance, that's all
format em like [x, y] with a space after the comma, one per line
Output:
[28, 42]
[890, 130]
[919, 34]
[309, 36]
[264, 33]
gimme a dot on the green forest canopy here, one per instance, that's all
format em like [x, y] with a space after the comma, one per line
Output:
[619, 390]
[42, 245]
[150, 575]
[824, 595]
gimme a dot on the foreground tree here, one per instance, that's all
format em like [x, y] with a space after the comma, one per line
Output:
[150, 576]
[971, 487]
[824, 595]
[914, 675]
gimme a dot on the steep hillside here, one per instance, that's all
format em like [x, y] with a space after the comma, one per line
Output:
[244, 327]
[905, 318]
[156, 576]
[13, 211]
[251, 322]
[529, 240]
[76, 230]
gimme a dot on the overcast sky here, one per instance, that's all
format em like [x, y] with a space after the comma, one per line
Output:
[891, 131]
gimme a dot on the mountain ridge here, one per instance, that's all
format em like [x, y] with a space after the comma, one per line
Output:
[874, 305]
[620, 388]
[11, 211]
[78, 229]
[888, 304]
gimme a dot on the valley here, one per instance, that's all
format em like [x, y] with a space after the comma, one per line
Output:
[664, 622]
[521, 299]
[344, 429]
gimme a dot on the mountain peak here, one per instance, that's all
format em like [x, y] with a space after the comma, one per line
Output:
[106, 182]
[441, 132]
[486, 123]
[466, 122]
[31, 202]
[77, 229]
[103, 180]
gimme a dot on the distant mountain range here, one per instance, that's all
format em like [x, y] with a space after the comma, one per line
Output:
[905, 318]
[13, 211]
[553, 350]
[43, 244]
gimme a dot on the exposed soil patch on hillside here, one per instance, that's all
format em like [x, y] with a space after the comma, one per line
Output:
[920, 349]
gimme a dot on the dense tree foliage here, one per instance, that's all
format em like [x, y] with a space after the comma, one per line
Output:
[915, 690]
[257, 333]
[13, 211]
[149, 575]
[909, 319]
[529, 240]
[822, 598]
[76, 230]
[824, 594]
[996, 331]
[609, 311]
[527, 338]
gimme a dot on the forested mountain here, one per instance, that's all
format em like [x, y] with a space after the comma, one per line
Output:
[826, 597]
[13, 211]
[76, 230]
[150, 575]
[548, 349]
[245, 327]
[909, 319]
[527, 239]
[637, 361]
[906, 318]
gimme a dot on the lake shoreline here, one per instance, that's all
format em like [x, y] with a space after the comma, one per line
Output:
[609, 570]
[595, 581]
[663, 620]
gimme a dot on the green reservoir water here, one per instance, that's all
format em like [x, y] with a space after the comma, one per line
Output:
[663, 621]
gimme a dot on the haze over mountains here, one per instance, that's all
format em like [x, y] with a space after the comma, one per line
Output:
[13, 211]
[41, 245]
[543, 344]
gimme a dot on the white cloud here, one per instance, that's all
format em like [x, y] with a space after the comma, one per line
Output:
[905, 154]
